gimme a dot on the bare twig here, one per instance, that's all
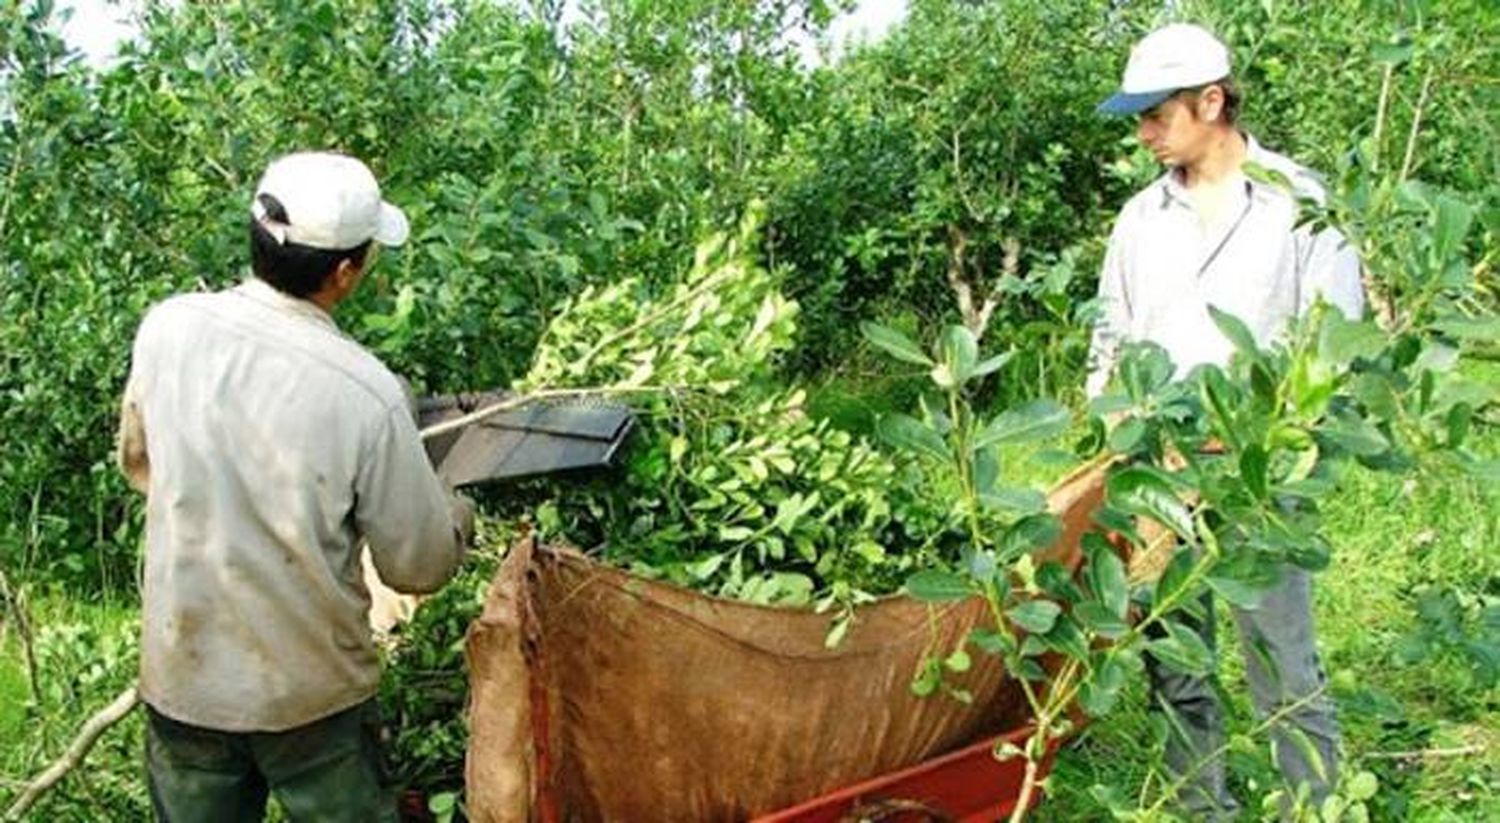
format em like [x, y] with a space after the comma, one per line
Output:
[77, 750]
[1380, 111]
[10, 187]
[1416, 125]
[517, 402]
[1426, 754]
[23, 630]
[958, 242]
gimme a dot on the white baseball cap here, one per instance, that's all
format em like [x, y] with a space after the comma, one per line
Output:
[332, 202]
[1166, 61]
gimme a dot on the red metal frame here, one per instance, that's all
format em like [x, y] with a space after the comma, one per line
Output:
[968, 785]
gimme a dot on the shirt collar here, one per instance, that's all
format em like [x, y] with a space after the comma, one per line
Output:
[267, 295]
[1172, 190]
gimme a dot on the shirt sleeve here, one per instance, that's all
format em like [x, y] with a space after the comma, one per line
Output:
[404, 512]
[1114, 320]
[1331, 270]
[130, 442]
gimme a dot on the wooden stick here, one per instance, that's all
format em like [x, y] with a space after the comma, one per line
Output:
[1423, 754]
[77, 750]
[517, 402]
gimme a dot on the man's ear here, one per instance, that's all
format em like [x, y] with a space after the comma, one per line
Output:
[1210, 103]
[346, 276]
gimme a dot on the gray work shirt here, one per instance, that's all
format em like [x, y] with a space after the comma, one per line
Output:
[1163, 270]
[268, 445]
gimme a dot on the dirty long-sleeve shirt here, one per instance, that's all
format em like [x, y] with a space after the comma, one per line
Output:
[269, 445]
[1163, 269]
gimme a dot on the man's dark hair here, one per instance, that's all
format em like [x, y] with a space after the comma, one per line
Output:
[1232, 99]
[295, 269]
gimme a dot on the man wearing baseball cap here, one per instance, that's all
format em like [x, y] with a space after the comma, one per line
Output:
[270, 446]
[1205, 234]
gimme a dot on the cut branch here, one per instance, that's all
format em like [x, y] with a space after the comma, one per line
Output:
[77, 750]
[976, 318]
[1425, 754]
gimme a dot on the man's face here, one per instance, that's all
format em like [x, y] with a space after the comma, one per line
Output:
[1175, 131]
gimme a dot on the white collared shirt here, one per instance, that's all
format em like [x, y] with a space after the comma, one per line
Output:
[269, 444]
[1164, 268]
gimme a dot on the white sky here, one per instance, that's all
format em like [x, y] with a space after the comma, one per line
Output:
[98, 26]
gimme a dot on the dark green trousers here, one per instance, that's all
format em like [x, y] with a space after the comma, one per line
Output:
[328, 770]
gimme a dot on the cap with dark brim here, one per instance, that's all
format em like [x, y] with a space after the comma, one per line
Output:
[1124, 103]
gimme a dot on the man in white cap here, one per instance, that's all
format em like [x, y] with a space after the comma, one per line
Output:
[1206, 234]
[269, 446]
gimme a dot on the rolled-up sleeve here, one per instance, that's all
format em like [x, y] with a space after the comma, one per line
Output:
[1114, 318]
[130, 443]
[404, 512]
[1331, 270]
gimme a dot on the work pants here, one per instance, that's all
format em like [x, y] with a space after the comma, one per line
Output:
[1283, 670]
[332, 769]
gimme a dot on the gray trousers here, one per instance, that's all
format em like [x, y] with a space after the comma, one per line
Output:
[1282, 666]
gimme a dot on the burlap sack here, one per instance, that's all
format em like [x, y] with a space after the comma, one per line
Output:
[650, 702]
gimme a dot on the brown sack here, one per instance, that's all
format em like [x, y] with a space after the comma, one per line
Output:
[501, 757]
[652, 702]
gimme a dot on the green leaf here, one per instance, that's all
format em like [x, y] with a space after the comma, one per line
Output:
[1106, 574]
[1144, 369]
[1457, 423]
[1127, 435]
[986, 469]
[1018, 501]
[1238, 592]
[1182, 650]
[1220, 397]
[959, 352]
[1036, 531]
[1395, 52]
[1362, 787]
[928, 679]
[705, 568]
[1099, 619]
[1033, 421]
[1174, 577]
[992, 641]
[1341, 341]
[1253, 470]
[442, 803]
[1109, 404]
[1235, 330]
[1035, 616]
[1141, 490]
[1485, 471]
[1451, 221]
[1263, 384]
[980, 564]
[937, 586]
[958, 662]
[1102, 690]
[1355, 435]
[837, 633]
[1477, 329]
[894, 343]
[734, 534]
[910, 434]
[992, 364]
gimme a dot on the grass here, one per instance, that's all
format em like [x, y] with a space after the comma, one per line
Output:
[85, 655]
